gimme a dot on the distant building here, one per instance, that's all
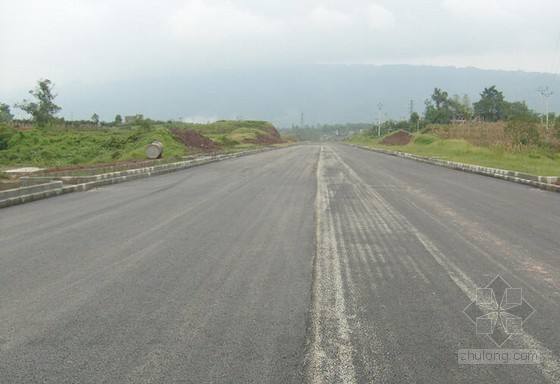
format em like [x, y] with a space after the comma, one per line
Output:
[133, 119]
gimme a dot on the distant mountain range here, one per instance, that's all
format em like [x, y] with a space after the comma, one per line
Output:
[323, 93]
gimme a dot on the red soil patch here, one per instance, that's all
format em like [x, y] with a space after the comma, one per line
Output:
[193, 139]
[397, 138]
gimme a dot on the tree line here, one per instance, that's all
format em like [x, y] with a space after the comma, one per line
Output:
[43, 109]
[440, 108]
[492, 106]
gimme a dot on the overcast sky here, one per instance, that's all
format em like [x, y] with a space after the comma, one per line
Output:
[93, 41]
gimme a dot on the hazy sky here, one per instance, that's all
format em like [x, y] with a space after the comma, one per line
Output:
[85, 42]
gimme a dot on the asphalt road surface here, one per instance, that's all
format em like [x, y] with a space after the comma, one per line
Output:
[313, 263]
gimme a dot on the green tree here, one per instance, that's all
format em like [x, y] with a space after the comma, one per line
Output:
[5, 114]
[438, 108]
[461, 107]
[492, 105]
[145, 124]
[118, 120]
[556, 126]
[440, 98]
[95, 119]
[467, 105]
[414, 120]
[519, 109]
[6, 133]
[43, 109]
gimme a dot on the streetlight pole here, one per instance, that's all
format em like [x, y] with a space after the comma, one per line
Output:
[379, 107]
[545, 94]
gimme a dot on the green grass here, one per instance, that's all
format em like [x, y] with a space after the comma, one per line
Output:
[535, 161]
[58, 147]
[233, 141]
[233, 133]
[227, 127]
[244, 134]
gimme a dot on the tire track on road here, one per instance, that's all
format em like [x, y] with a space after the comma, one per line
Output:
[363, 239]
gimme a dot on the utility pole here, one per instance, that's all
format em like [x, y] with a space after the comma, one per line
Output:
[545, 93]
[302, 120]
[410, 112]
[380, 108]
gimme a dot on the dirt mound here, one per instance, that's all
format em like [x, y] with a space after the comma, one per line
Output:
[271, 137]
[271, 131]
[397, 138]
[193, 139]
[266, 140]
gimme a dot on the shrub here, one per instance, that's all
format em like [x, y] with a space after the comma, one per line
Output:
[425, 139]
[6, 134]
[557, 128]
[523, 131]
[226, 141]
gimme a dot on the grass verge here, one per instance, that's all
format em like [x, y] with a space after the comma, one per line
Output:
[535, 161]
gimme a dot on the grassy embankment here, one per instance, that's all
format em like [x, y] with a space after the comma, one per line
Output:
[242, 134]
[58, 146]
[536, 161]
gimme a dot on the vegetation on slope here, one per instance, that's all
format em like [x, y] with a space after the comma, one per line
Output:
[47, 140]
[491, 132]
[236, 133]
[56, 146]
[533, 160]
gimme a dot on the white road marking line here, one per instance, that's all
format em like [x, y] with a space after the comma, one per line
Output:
[328, 299]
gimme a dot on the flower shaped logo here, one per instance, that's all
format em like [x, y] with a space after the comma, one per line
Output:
[499, 311]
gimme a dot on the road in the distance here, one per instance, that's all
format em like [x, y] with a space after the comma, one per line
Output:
[314, 263]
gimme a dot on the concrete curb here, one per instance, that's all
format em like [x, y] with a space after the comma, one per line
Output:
[27, 190]
[542, 182]
[26, 194]
[53, 186]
